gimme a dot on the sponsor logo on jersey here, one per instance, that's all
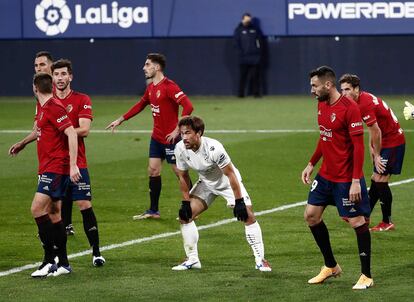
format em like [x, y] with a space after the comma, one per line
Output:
[87, 107]
[158, 94]
[41, 115]
[352, 10]
[325, 133]
[357, 124]
[53, 17]
[333, 117]
[69, 108]
[222, 158]
[178, 94]
[155, 110]
[366, 117]
[59, 120]
[319, 112]
[212, 148]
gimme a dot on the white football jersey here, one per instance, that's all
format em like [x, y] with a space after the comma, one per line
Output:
[208, 161]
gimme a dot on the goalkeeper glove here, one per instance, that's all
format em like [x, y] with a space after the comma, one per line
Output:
[185, 211]
[409, 111]
[239, 210]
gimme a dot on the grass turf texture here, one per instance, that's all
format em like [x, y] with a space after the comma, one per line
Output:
[270, 164]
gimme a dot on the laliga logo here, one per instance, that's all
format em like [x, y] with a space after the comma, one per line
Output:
[52, 16]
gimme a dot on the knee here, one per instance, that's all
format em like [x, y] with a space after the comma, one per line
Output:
[84, 204]
[311, 219]
[357, 221]
[37, 210]
[154, 171]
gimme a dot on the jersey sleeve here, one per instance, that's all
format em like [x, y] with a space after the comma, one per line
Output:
[59, 117]
[85, 110]
[138, 107]
[179, 160]
[175, 93]
[219, 155]
[367, 109]
[354, 120]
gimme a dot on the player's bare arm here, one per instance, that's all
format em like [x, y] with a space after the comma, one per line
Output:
[239, 210]
[73, 153]
[355, 191]
[184, 179]
[173, 135]
[84, 127]
[115, 124]
[306, 174]
[234, 182]
[375, 138]
[358, 159]
[19, 146]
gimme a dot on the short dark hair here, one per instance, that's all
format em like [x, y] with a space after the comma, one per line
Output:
[43, 82]
[62, 63]
[350, 79]
[194, 122]
[325, 73]
[158, 58]
[246, 15]
[46, 54]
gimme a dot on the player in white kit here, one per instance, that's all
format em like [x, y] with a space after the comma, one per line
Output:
[217, 177]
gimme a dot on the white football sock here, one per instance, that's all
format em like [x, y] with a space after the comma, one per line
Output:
[254, 238]
[190, 238]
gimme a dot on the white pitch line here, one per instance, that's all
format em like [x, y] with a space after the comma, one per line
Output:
[170, 234]
[229, 131]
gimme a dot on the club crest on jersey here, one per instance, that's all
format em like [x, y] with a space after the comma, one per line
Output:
[158, 94]
[69, 108]
[333, 117]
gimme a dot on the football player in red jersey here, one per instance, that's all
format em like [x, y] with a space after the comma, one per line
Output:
[79, 108]
[42, 63]
[164, 96]
[340, 180]
[57, 153]
[387, 145]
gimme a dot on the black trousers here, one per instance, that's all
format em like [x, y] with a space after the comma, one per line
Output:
[249, 77]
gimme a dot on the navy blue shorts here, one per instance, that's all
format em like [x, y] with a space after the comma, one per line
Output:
[158, 150]
[53, 185]
[324, 192]
[393, 158]
[80, 190]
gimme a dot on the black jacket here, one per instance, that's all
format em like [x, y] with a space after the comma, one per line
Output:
[248, 41]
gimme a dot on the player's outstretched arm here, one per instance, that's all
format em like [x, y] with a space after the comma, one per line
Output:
[409, 111]
[75, 175]
[115, 124]
[19, 146]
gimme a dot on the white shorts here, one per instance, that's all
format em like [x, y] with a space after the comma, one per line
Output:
[209, 194]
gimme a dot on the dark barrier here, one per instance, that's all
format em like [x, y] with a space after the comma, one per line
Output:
[209, 66]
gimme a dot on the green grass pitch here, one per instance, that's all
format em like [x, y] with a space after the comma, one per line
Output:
[270, 164]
